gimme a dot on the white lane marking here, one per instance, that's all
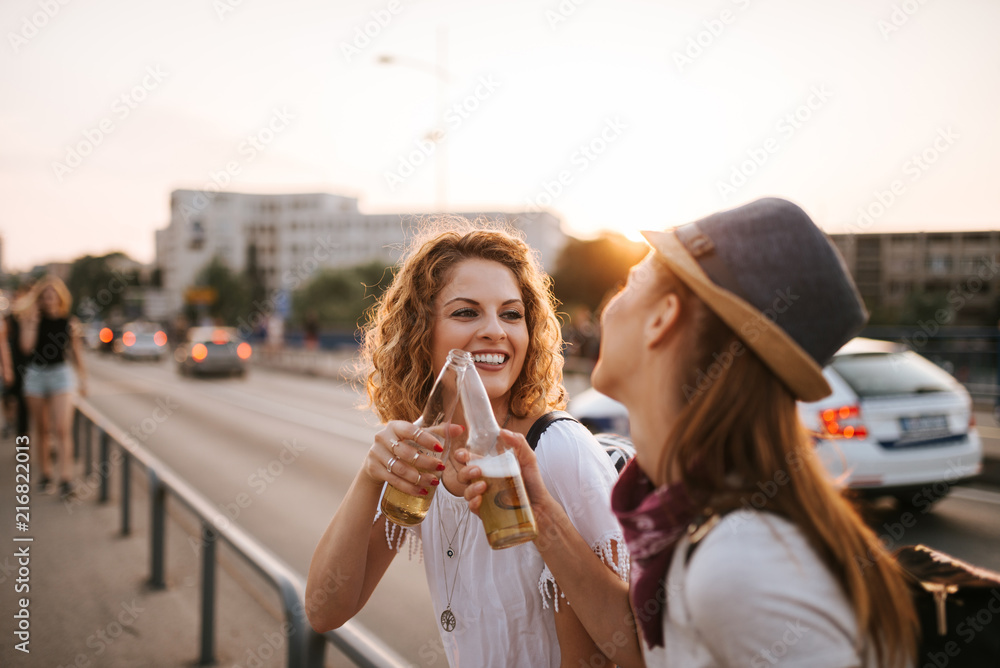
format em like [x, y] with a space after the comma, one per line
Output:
[980, 495]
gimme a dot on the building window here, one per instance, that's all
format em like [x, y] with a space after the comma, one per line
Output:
[939, 264]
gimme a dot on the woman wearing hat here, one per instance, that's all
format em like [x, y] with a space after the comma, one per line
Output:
[743, 553]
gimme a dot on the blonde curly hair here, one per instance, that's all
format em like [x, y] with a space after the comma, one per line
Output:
[396, 348]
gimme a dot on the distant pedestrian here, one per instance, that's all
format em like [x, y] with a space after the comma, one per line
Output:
[6, 369]
[311, 329]
[14, 402]
[51, 340]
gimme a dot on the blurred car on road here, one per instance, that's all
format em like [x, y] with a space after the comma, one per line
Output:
[896, 424]
[141, 340]
[108, 335]
[212, 350]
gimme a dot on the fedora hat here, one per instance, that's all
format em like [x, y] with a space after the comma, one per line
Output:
[776, 280]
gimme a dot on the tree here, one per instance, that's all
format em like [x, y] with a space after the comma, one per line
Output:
[339, 297]
[232, 295]
[923, 306]
[98, 291]
[588, 271]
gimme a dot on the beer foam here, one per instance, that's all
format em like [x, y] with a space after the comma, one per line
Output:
[499, 466]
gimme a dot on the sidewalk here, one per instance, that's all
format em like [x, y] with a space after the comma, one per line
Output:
[88, 601]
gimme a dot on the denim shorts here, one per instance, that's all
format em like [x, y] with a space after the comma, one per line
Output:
[49, 380]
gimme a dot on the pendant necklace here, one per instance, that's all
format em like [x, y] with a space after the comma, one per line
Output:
[448, 621]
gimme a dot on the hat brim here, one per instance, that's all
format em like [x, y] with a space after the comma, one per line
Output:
[787, 359]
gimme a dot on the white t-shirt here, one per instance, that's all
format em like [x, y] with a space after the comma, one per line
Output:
[502, 599]
[755, 595]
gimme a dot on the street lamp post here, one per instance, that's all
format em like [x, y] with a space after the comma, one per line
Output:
[439, 69]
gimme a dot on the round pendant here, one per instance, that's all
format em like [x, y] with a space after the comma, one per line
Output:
[451, 552]
[448, 620]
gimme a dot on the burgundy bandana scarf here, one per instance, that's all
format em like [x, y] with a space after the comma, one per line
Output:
[653, 520]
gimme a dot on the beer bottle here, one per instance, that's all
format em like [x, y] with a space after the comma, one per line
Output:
[506, 510]
[406, 509]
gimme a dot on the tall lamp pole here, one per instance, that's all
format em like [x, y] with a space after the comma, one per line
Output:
[439, 69]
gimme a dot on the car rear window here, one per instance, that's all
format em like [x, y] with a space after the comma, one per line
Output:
[881, 374]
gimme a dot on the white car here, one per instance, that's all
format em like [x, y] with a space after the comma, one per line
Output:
[895, 425]
[141, 340]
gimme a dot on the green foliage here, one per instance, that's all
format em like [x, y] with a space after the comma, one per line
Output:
[588, 272]
[97, 290]
[923, 306]
[232, 294]
[339, 297]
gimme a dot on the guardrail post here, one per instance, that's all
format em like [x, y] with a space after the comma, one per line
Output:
[157, 538]
[208, 540]
[76, 434]
[88, 464]
[126, 493]
[315, 648]
[104, 466]
[295, 615]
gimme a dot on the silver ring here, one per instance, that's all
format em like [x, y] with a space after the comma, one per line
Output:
[417, 433]
[392, 446]
[418, 478]
[415, 455]
[388, 466]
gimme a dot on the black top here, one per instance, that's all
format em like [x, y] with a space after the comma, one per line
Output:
[53, 338]
[14, 340]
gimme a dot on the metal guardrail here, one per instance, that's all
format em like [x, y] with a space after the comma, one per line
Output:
[306, 647]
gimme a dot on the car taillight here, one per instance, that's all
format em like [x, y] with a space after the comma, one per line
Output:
[219, 337]
[128, 338]
[244, 351]
[160, 339]
[199, 352]
[106, 335]
[843, 422]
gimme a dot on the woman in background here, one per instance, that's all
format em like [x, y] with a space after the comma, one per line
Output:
[51, 342]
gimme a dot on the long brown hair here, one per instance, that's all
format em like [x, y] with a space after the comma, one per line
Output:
[397, 336]
[736, 447]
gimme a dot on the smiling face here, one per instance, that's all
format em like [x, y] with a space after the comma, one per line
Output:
[480, 310]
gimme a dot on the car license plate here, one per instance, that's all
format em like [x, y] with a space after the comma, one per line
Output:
[924, 423]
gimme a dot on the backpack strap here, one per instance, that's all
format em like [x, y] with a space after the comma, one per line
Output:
[542, 423]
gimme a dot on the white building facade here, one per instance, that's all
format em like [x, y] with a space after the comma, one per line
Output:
[289, 237]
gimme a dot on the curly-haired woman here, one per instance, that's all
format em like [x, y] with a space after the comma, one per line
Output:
[51, 342]
[479, 290]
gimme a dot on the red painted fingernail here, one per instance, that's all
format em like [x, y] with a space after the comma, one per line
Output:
[438, 448]
[440, 467]
[423, 492]
[435, 482]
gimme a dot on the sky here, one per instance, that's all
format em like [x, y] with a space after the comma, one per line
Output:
[613, 114]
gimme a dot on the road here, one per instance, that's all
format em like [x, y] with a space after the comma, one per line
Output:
[288, 446]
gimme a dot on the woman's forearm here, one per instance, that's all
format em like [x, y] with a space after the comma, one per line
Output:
[349, 560]
[598, 596]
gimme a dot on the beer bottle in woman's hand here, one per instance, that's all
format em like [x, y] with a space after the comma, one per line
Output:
[505, 510]
[406, 509]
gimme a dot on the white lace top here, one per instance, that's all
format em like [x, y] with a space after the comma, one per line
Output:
[502, 599]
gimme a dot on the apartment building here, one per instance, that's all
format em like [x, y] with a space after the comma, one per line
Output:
[962, 266]
[288, 237]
